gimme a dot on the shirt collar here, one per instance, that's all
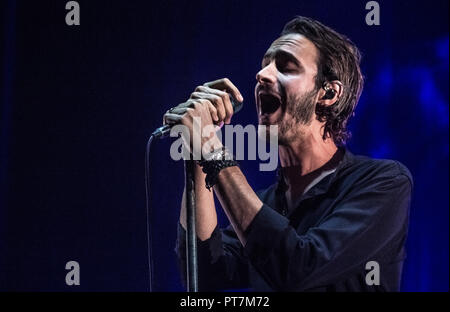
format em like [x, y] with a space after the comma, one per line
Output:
[323, 186]
[319, 188]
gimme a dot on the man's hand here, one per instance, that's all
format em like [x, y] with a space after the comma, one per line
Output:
[211, 104]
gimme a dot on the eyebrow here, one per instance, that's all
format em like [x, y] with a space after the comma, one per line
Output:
[282, 54]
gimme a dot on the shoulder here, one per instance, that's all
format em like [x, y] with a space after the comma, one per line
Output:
[388, 167]
[367, 168]
[378, 186]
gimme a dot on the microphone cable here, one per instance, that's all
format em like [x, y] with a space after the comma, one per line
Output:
[161, 132]
[148, 210]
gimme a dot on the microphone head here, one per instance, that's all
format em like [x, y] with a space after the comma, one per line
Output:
[237, 106]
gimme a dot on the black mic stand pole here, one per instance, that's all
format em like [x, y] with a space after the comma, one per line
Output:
[191, 236]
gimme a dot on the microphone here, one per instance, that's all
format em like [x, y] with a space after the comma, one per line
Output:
[164, 131]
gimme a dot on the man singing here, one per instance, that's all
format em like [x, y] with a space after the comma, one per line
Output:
[331, 216]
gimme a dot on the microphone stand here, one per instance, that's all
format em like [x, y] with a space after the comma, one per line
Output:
[191, 236]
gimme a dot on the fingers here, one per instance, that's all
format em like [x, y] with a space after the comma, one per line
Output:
[214, 95]
[214, 113]
[224, 99]
[170, 119]
[226, 84]
[176, 114]
[223, 111]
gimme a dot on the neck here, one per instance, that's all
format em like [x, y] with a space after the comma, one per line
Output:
[301, 158]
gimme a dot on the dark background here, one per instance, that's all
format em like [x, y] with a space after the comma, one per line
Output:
[78, 104]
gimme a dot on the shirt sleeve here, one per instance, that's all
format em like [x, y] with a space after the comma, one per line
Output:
[221, 260]
[365, 224]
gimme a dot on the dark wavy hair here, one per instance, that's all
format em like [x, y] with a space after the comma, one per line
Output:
[339, 59]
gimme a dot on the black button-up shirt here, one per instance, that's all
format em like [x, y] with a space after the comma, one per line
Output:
[355, 215]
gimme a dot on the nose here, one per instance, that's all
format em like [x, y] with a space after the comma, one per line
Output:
[267, 75]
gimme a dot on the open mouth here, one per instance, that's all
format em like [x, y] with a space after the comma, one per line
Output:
[269, 103]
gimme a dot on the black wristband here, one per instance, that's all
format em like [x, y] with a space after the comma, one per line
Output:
[212, 169]
[214, 164]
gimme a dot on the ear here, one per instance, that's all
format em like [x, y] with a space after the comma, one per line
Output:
[330, 92]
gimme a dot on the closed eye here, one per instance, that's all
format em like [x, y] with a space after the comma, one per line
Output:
[286, 66]
[285, 61]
